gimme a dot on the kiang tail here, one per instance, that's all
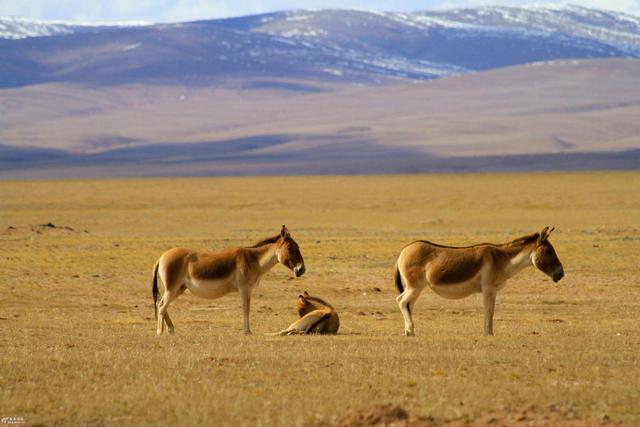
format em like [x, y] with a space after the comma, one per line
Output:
[154, 289]
[399, 284]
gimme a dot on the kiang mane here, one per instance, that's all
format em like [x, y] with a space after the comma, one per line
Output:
[266, 241]
[319, 300]
[524, 240]
[530, 238]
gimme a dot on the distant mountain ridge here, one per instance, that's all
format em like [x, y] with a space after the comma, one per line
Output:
[324, 45]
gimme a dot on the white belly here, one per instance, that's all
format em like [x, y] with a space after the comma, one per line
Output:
[458, 290]
[210, 288]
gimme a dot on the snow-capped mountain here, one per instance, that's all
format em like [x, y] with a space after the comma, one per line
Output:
[617, 29]
[334, 45]
[15, 28]
[19, 28]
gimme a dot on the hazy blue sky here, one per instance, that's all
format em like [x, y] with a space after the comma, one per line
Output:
[180, 10]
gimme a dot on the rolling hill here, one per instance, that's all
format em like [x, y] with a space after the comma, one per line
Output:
[327, 91]
[540, 116]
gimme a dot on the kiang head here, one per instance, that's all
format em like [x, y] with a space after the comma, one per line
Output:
[544, 256]
[304, 306]
[288, 253]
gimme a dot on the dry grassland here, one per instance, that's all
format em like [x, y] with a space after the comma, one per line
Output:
[77, 336]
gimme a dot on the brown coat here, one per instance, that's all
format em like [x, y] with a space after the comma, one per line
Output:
[315, 316]
[214, 274]
[457, 272]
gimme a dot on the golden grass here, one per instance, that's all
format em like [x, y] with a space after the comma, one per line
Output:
[78, 343]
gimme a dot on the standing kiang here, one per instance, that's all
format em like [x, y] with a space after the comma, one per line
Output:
[215, 274]
[457, 272]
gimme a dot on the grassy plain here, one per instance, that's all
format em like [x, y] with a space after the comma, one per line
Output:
[78, 343]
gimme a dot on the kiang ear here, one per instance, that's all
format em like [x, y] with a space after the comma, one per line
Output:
[544, 234]
[302, 298]
[306, 294]
[284, 233]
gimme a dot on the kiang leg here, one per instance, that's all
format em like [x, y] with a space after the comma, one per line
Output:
[489, 302]
[406, 301]
[309, 323]
[167, 319]
[245, 295]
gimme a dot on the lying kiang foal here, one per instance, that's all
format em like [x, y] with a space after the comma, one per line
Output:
[316, 316]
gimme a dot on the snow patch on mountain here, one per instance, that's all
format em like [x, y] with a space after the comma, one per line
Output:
[345, 45]
[15, 28]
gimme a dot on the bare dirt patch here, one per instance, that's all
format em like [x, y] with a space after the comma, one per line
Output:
[390, 415]
[48, 228]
